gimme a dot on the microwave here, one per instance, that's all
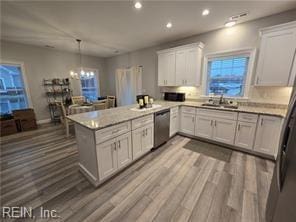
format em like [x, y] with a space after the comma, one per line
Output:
[173, 96]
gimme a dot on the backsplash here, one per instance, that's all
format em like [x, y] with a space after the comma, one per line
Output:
[257, 95]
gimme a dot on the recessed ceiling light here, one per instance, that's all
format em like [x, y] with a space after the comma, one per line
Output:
[205, 12]
[169, 25]
[230, 23]
[138, 5]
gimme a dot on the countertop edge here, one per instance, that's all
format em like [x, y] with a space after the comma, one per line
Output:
[176, 105]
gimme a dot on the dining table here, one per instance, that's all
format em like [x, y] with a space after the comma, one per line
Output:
[75, 109]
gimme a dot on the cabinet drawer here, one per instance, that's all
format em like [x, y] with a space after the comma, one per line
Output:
[217, 114]
[247, 117]
[188, 109]
[174, 110]
[112, 131]
[136, 123]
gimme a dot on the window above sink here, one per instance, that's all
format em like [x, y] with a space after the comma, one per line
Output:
[228, 73]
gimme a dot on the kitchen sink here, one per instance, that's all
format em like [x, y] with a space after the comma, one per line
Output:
[226, 106]
[211, 105]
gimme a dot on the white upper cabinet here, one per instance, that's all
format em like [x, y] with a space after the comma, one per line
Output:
[276, 62]
[166, 68]
[180, 66]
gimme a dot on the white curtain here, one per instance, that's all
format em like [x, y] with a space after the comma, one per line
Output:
[128, 85]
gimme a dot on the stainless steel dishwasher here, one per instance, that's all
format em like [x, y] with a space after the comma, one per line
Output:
[161, 127]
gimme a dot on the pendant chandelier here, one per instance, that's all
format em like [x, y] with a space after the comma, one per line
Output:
[80, 74]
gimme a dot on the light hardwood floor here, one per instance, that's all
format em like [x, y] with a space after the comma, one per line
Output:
[39, 168]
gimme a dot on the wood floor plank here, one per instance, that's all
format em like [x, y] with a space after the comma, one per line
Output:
[201, 209]
[250, 209]
[39, 168]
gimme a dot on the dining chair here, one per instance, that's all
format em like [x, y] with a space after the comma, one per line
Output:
[63, 118]
[111, 101]
[100, 105]
[78, 100]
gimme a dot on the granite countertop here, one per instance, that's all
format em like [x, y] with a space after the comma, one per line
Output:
[102, 118]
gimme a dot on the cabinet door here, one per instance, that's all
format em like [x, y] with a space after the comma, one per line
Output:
[148, 138]
[270, 64]
[137, 136]
[224, 130]
[187, 123]
[174, 124]
[124, 150]
[180, 67]
[167, 69]
[193, 67]
[171, 69]
[107, 158]
[267, 135]
[162, 69]
[204, 127]
[245, 135]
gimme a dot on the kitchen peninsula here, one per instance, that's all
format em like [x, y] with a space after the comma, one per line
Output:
[110, 140]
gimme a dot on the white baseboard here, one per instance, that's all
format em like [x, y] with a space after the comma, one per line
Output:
[43, 121]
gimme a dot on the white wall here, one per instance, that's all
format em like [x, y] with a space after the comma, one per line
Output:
[40, 63]
[240, 36]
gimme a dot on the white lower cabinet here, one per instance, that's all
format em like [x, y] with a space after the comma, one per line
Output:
[174, 121]
[221, 130]
[245, 134]
[268, 134]
[148, 138]
[114, 154]
[143, 139]
[187, 123]
[204, 127]
[224, 130]
[124, 150]
[107, 158]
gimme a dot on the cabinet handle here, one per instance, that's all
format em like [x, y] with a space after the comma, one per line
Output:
[257, 81]
[146, 132]
[115, 131]
[193, 119]
[261, 122]
[143, 134]
[114, 145]
[238, 128]
[215, 123]
[119, 144]
[211, 122]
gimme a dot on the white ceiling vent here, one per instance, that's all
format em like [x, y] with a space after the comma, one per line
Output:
[241, 15]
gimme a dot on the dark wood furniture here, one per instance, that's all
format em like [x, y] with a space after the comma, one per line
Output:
[25, 118]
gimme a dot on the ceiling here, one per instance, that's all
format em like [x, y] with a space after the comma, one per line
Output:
[109, 26]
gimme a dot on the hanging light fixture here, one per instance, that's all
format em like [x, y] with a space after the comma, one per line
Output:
[81, 73]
